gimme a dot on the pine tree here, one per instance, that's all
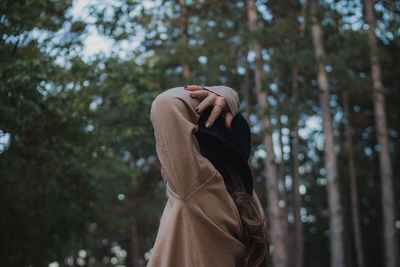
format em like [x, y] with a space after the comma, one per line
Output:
[388, 199]
[331, 166]
[279, 256]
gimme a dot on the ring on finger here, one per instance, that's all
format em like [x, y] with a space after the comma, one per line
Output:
[222, 108]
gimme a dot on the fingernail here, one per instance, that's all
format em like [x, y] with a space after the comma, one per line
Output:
[208, 124]
[196, 109]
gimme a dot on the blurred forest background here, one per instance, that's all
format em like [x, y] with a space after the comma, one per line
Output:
[80, 182]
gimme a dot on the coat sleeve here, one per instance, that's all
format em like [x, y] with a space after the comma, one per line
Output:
[175, 122]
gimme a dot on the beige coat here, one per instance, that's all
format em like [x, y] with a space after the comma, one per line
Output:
[200, 225]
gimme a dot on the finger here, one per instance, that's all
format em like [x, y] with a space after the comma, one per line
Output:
[193, 87]
[214, 115]
[199, 94]
[221, 101]
[205, 103]
[228, 119]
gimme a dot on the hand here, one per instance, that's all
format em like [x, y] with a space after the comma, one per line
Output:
[207, 99]
[164, 177]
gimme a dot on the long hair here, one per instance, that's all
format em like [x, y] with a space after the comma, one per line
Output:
[254, 224]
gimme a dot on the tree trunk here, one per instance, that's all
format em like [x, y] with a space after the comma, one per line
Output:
[298, 236]
[137, 260]
[282, 179]
[297, 202]
[281, 167]
[279, 255]
[247, 86]
[353, 185]
[388, 200]
[184, 38]
[334, 200]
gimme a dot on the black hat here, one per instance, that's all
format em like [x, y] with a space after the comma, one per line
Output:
[234, 144]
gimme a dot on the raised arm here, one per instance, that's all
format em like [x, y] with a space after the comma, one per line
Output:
[175, 122]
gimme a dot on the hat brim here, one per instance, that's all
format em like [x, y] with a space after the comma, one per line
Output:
[233, 156]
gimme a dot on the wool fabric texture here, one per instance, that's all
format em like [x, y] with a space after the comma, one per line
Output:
[200, 225]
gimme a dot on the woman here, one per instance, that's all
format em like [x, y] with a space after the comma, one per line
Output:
[211, 218]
